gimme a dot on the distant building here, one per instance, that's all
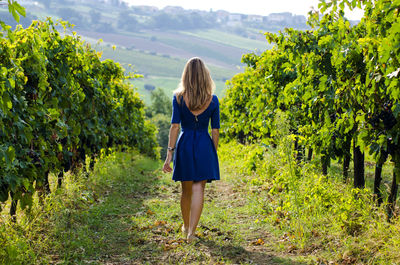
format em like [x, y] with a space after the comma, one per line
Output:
[276, 17]
[285, 18]
[254, 18]
[235, 17]
[222, 16]
[234, 20]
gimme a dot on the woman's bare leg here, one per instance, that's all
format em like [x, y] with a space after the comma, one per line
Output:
[186, 200]
[196, 205]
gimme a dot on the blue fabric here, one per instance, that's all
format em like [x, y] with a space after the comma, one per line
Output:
[195, 156]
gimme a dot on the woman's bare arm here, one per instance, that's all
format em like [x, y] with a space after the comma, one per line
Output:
[215, 137]
[173, 135]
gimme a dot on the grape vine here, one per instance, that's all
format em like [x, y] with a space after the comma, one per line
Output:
[338, 84]
[59, 103]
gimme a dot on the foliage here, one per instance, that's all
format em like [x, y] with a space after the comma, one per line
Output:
[336, 83]
[159, 113]
[60, 103]
[127, 22]
[307, 213]
[15, 9]
[9, 20]
[69, 226]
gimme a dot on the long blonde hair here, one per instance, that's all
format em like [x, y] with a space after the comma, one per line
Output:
[196, 84]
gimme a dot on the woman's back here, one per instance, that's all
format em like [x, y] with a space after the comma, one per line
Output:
[198, 120]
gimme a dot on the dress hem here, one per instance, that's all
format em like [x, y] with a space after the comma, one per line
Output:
[208, 180]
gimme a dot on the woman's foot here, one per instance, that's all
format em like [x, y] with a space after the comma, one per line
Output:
[184, 231]
[191, 238]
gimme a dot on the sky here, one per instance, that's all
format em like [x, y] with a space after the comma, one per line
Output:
[255, 7]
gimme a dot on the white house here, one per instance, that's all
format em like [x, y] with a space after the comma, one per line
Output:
[254, 18]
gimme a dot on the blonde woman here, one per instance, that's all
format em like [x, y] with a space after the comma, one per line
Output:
[194, 152]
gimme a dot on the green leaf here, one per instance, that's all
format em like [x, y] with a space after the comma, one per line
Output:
[3, 194]
[26, 200]
[7, 101]
[10, 154]
[14, 13]
[19, 9]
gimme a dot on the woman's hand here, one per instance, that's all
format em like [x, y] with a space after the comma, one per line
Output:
[167, 167]
[173, 135]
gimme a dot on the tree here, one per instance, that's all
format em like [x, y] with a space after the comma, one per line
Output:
[127, 22]
[160, 103]
[159, 113]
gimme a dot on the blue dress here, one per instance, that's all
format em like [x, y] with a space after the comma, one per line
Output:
[195, 156]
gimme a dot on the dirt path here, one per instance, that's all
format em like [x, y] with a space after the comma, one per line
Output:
[136, 220]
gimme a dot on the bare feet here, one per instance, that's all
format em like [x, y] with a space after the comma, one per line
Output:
[184, 231]
[191, 238]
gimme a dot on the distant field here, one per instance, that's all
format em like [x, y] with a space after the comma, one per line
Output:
[176, 44]
[161, 55]
[209, 49]
[167, 84]
[157, 65]
[229, 39]
[159, 71]
[145, 63]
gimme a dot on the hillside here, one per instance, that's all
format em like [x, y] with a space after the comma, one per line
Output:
[159, 42]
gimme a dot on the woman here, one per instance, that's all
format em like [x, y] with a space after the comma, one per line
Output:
[194, 153]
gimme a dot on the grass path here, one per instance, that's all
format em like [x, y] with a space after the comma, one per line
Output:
[135, 219]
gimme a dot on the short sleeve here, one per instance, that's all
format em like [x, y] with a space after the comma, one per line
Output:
[176, 114]
[215, 115]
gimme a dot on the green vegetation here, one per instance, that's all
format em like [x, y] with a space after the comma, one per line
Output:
[314, 217]
[167, 84]
[159, 112]
[264, 210]
[338, 96]
[60, 104]
[15, 9]
[89, 219]
[328, 91]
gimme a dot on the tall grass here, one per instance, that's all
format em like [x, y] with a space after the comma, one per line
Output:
[313, 215]
[68, 224]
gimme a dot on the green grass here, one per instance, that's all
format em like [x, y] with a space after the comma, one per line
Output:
[262, 211]
[126, 211]
[387, 173]
[311, 215]
[229, 39]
